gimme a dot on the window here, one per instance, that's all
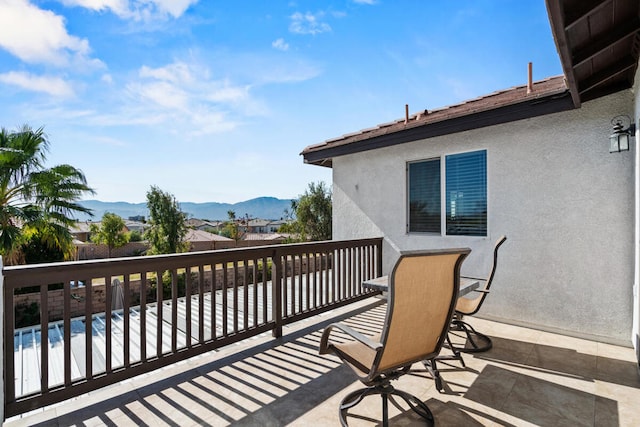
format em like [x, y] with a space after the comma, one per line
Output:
[465, 195]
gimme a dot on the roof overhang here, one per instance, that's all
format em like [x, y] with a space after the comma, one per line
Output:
[598, 43]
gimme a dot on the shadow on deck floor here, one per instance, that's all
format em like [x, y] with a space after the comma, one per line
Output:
[528, 378]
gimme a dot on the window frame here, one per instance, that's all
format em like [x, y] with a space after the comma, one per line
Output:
[443, 195]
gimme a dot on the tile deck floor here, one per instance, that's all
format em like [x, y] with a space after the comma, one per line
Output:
[528, 378]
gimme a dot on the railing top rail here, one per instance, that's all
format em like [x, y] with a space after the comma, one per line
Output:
[34, 274]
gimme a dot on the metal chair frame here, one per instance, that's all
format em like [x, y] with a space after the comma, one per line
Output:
[479, 341]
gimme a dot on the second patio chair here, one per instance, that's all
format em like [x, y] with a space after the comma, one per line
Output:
[423, 289]
[475, 341]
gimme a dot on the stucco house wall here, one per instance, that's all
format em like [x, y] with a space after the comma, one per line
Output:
[565, 203]
[636, 287]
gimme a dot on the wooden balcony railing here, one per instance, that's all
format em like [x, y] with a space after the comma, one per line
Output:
[73, 327]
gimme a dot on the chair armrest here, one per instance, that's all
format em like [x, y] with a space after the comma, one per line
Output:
[480, 279]
[324, 341]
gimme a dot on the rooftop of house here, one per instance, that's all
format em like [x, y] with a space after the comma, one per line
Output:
[204, 236]
[519, 102]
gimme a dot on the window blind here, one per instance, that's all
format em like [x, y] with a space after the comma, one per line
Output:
[466, 194]
[424, 196]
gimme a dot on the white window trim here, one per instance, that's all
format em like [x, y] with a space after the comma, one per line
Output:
[443, 195]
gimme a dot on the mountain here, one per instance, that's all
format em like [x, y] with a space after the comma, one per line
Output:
[261, 207]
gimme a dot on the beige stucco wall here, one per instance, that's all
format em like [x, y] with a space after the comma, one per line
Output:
[565, 204]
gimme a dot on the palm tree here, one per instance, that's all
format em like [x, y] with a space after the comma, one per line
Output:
[33, 197]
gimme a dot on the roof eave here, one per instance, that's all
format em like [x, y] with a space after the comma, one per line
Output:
[560, 37]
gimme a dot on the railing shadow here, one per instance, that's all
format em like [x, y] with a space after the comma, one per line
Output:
[271, 383]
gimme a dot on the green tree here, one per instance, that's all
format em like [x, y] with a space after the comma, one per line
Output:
[167, 223]
[135, 236]
[232, 227]
[34, 199]
[312, 213]
[111, 232]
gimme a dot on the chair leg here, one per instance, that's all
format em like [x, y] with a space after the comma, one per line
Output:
[385, 390]
[456, 353]
[479, 341]
[435, 374]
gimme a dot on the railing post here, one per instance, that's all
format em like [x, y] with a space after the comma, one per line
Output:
[2, 343]
[276, 293]
[379, 259]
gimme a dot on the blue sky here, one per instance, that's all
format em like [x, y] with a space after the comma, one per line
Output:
[215, 100]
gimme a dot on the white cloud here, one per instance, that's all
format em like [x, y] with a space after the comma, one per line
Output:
[308, 23]
[107, 78]
[39, 36]
[187, 98]
[54, 86]
[365, 1]
[136, 10]
[280, 44]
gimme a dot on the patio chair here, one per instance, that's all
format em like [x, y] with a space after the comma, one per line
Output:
[476, 341]
[423, 289]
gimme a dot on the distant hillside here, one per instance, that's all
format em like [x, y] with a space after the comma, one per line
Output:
[261, 207]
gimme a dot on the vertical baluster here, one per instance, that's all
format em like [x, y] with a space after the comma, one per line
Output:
[284, 288]
[108, 353]
[44, 338]
[143, 316]
[126, 308]
[301, 273]
[326, 262]
[201, 302]
[265, 274]
[334, 275]
[308, 284]
[214, 309]
[187, 296]
[66, 332]
[255, 270]
[160, 313]
[344, 270]
[174, 311]
[88, 328]
[225, 303]
[235, 296]
[245, 294]
[317, 292]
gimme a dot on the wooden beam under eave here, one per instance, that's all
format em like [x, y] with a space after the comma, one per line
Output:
[582, 10]
[608, 73]
[556, 17]
[621, 32]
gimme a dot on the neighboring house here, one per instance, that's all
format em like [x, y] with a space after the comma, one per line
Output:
[81, 230]
[200, 240]
[274, 226]
[200, 224]
[258, 226]
[138, 226]
[267, 237]
[531, 162]
[195, 223]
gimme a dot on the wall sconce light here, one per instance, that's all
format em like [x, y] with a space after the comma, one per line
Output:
[619, 139]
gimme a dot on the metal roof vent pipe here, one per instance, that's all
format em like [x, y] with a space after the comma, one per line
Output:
[530, 81]
[406, 113]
